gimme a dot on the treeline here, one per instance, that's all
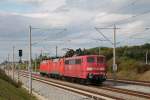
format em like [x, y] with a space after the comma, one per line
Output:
[133, 52]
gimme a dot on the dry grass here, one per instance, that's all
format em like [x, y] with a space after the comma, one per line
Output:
[132, 75]
[145, 76]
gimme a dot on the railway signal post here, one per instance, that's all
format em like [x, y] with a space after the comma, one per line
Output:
[20, 61]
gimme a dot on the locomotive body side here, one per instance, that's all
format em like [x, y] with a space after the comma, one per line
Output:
[45, 67]
[57, 68]
[61, 66]
[88, 67]
[52, 68]
[74, 67]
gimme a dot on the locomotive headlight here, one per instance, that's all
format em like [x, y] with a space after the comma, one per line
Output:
[102, 69]
[90, 69]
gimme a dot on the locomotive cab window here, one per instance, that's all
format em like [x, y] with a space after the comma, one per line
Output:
[90, 59]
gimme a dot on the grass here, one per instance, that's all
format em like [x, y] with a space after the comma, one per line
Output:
[11, 90]
[6, 78]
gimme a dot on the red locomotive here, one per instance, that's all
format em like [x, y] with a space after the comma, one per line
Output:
[87, 68]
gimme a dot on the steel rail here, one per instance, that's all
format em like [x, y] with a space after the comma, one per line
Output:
[130, 92]
[135, 82]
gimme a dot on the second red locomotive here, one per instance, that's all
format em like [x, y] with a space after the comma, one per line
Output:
[87, 68]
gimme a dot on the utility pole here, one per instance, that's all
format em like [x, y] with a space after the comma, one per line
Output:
[30, 63]
[114, 66]
[41, 52]
[30, 58]
[146, 56]
[56, 51]
[36, 63]
[114, 55]
[99, 50]
[8, 64]
[101, 46]
[13, 63]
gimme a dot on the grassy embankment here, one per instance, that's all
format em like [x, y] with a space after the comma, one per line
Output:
[11, 90]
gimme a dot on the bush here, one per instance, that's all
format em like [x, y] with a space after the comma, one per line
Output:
[4, 77]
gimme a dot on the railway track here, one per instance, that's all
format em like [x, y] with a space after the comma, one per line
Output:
[135, 82]
[130, 92]
[91, 94]
[94, 90]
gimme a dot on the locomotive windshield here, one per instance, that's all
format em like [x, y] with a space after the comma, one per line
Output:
[100, 59]
[90, 59]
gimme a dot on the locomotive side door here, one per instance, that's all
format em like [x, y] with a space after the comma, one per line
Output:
[79, 68]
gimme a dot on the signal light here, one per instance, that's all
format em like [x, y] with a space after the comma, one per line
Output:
[20, 53]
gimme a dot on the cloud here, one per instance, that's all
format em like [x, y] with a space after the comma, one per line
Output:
[105, 18]
[80, 17]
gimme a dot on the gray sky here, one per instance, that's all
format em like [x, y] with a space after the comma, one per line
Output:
[70, 24]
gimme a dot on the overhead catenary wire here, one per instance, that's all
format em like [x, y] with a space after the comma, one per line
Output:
[63, 30]
[131, 17]
[146, 29]
[45, 39]
[97, 29]
[128, 5]
[132, 36]
[124, 7]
